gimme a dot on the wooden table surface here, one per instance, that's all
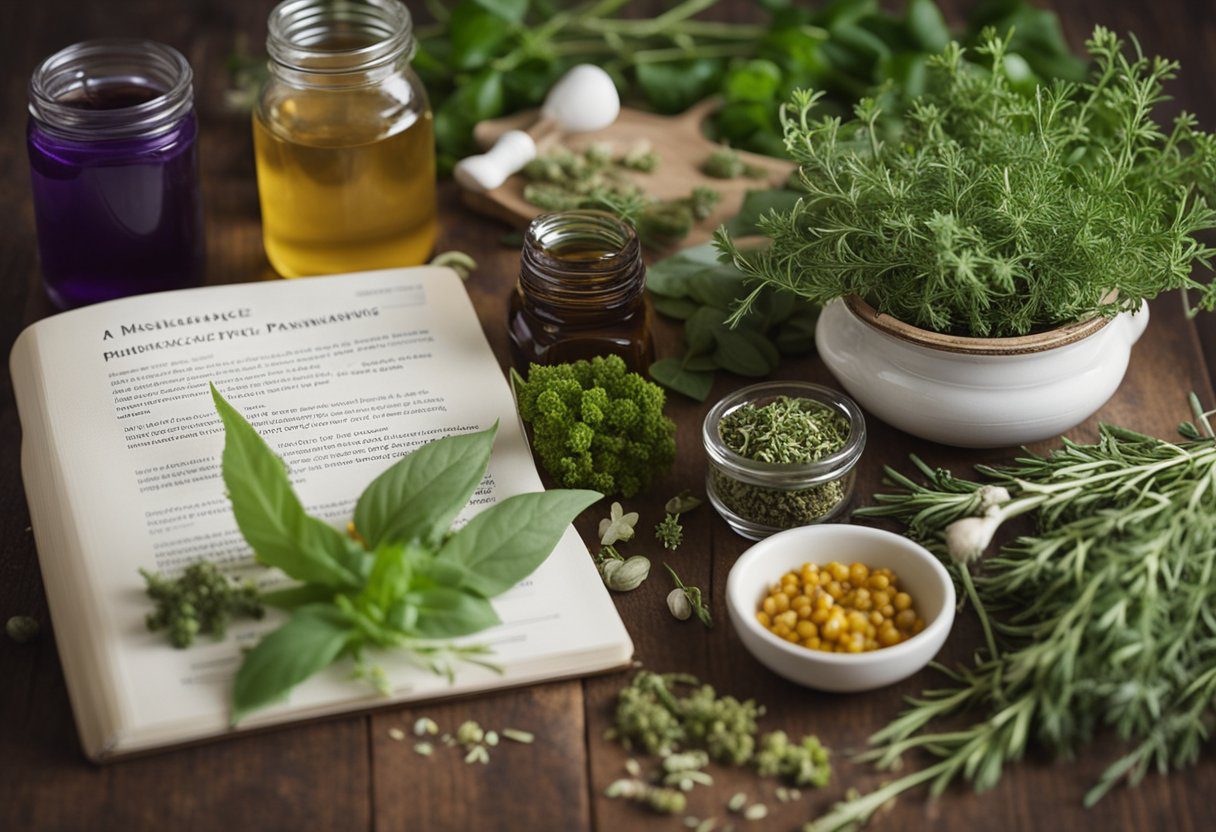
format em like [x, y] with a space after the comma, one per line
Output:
[348, 774]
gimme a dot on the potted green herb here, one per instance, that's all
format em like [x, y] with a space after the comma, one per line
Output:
[986, 260]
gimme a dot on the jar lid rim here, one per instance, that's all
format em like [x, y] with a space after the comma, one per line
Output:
[65, 71]
[794, 474]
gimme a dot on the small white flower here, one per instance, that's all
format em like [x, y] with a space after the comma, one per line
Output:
[618, 526]
[966, 539]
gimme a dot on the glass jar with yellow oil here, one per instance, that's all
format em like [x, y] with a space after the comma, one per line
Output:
[344, 140]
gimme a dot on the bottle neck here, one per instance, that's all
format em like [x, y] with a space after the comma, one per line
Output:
[108, 89]
[581, 261]
[323, 44]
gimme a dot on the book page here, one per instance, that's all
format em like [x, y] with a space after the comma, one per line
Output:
[342, 376]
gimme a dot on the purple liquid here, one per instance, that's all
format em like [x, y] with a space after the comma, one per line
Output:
[116, 217]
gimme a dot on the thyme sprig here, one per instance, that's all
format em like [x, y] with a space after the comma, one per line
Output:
[1103, 618]
[991, 213]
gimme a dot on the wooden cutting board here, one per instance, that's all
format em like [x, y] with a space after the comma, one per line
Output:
[679, 142]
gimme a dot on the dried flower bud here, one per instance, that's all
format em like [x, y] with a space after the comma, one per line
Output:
[628, 575]
[677, 602]
[469, 733]
[21, 628]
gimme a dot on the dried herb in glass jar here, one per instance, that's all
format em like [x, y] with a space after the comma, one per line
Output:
[782, 455]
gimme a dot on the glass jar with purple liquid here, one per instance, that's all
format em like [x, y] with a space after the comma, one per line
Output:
[114, 168]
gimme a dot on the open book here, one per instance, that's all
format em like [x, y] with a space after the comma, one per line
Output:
[342, 375]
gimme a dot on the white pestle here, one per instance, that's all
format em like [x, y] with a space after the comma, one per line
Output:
[582, 100]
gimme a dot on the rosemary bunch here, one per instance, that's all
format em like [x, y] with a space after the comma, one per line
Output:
[1103, 618]
[991, 213]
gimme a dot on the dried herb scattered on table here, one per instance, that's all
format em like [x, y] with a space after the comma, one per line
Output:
[1100, 617]
[784, 431]
[563, 180]
[672, 714]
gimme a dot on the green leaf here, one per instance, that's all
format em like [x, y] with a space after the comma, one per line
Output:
[699, 329]
[269, 513]
[311, 640]
[297, 596]
[796, 336]
[417, 498]
[745, 353]
[679, 308]
[669, 277]
[444, 612]
[476, 99]
[927, 26]
[389, 577]
[505, 543]
[699, 363]
[755, 205]
[476, 34]
[670, 373]
[674, 87]
[755, 80]
[510, 10]
[718, 287]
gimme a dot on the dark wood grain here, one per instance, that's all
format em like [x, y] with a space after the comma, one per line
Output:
[350, 773]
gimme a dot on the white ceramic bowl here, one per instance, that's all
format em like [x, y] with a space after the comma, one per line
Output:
[919, 574]
[976, 392]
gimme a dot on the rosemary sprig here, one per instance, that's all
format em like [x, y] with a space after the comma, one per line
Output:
[1103, 618]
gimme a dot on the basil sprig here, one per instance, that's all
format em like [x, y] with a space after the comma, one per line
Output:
[402, 579]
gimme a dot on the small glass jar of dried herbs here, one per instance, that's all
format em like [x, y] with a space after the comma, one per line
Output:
[781, 455]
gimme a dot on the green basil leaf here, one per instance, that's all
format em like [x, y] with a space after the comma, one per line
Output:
[311, 640]
[754, 80]
[444, 612]
[475, 34]
[791, 48]
[511, 10]
[796, 336]
[776, 307]
[417, 498]
[436, 572]
[680, 308]
[675, 86]
[389, 578]
[909, 71]
[505, 543]
[699, 329]
[269, 513]
[297, 596]
[927, 26]
[745, 353]
[839, 12]
[669, 373]
[669, 277]
[699, 363]
[718, 287]
[755, 205]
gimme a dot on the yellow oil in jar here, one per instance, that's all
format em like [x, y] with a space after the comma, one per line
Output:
[341, 191]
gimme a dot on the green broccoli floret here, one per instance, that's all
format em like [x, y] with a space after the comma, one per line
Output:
[597, 425]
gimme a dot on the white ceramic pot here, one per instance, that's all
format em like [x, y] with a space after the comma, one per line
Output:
[976, 392]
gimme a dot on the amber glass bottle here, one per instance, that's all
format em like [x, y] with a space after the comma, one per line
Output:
[581, 292]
